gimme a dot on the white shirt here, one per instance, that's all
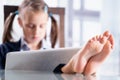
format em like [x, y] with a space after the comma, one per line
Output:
[24, 45]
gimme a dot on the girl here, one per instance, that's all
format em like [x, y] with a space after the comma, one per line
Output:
[33, 17]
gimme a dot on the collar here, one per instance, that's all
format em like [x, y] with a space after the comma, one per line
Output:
[24, 45]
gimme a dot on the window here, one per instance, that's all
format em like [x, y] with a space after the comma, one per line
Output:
[94, 5]
[76, 4]
[90, 28]
[88, 16]
[76, 33]
[52, 3]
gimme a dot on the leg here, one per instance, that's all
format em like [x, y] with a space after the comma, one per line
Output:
[79, 60]
[97, 60]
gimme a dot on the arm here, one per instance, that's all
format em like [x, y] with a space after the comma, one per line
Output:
[5, 48]
[2, 57]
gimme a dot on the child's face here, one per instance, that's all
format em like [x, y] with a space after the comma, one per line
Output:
[34, 26]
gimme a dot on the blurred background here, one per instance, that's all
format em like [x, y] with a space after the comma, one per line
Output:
[84, 19]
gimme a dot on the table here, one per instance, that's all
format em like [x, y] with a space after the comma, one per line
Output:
[40, 75]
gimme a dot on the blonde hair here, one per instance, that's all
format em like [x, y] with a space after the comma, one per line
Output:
[34, 5]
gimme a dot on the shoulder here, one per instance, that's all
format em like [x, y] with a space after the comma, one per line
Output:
[9, 47]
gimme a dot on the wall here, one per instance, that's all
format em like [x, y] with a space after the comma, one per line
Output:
[1, 19]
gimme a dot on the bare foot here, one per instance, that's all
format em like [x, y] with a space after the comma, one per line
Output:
[97, 60]
[79, 60]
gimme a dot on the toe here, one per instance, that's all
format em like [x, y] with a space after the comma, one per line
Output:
[105, 37]
[111, 39]
[106, 33]
[103, 40]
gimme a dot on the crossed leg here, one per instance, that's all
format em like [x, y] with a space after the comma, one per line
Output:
[80, 59]
[95, 61]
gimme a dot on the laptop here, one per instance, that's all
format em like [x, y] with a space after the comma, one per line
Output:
[42, 60]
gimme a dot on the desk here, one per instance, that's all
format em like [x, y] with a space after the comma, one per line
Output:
[38, 75]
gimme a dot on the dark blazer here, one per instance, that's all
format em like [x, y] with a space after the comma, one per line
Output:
[5, 48]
